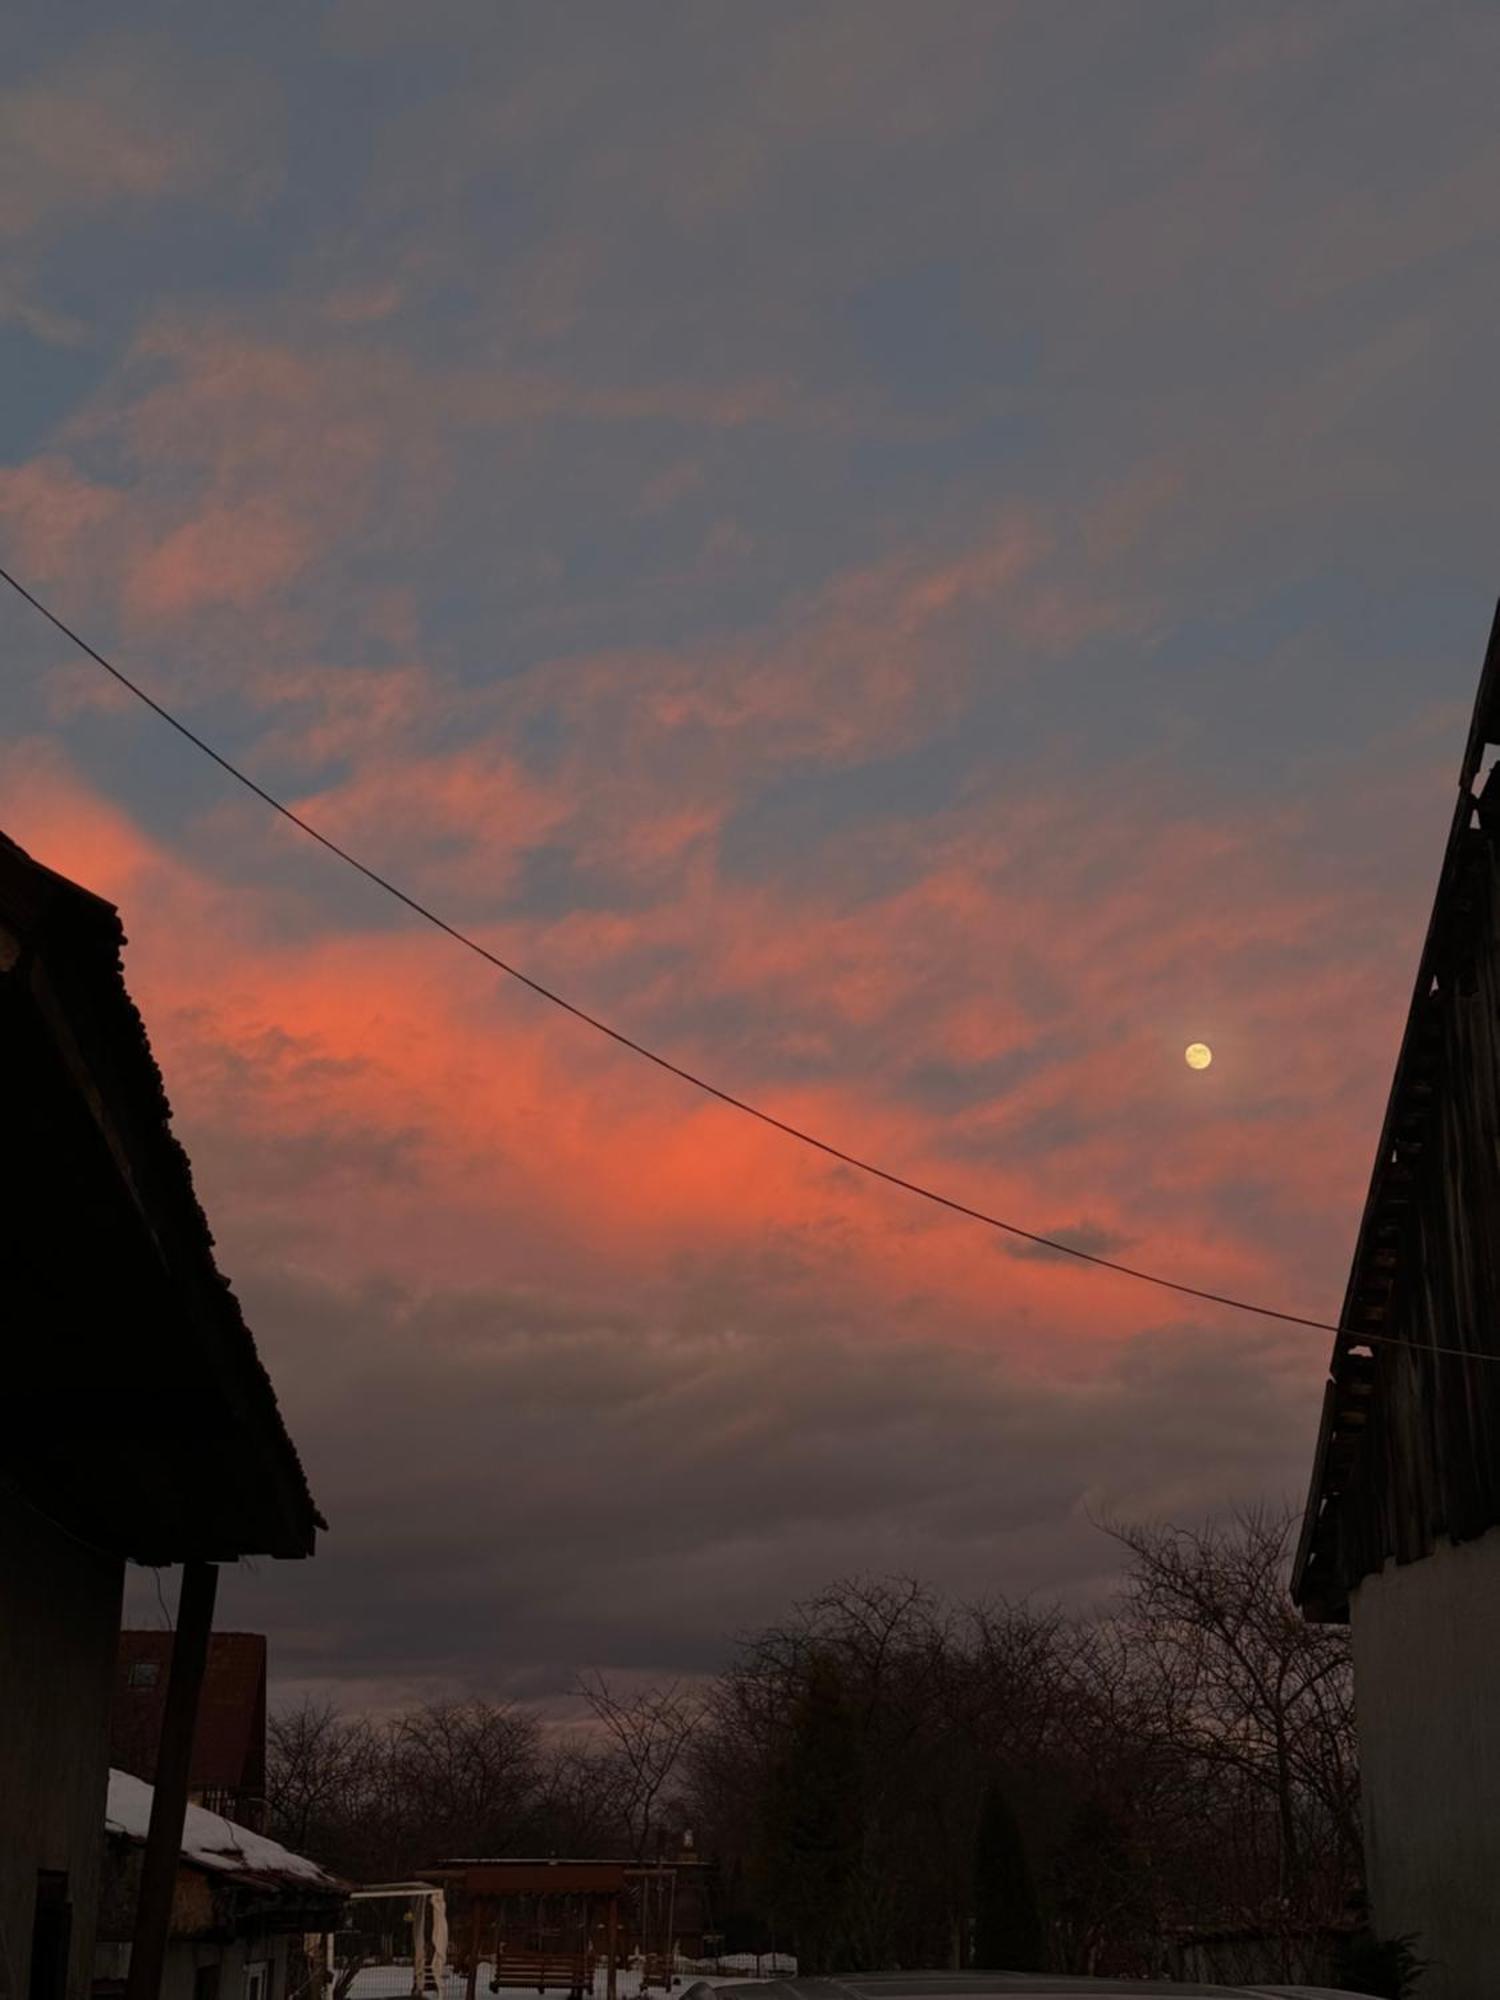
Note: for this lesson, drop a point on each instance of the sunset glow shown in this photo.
(847, 575)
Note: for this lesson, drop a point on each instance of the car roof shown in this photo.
(981, 1985)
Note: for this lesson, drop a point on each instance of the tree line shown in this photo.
(885, 1779)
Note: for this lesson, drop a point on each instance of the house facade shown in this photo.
(138, 1421)
(59, 1615)
(227, 1773)
(1401, 1537)
(250, 1919)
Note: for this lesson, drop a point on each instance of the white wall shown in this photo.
(186, 1955)
(59, 1627)
(1427, 1693)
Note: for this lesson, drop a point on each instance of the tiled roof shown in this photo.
(190, 1433)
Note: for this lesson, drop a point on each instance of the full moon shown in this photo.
(1198, 1055)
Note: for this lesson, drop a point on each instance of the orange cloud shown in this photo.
(429, 1122)
(1003, 1017)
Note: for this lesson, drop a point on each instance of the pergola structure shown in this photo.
(540, 1922)
(544, 1924)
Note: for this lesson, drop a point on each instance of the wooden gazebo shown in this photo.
(546, 1925)
(542, 1925)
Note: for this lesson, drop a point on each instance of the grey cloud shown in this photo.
(521, 1487)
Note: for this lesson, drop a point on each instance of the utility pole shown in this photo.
(174, 1756)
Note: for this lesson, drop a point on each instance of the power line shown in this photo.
(662, 1062)
(166, 1616)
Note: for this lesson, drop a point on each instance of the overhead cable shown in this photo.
(685, 1075)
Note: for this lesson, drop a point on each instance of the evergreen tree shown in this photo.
(812, 1823)
(1007, 1926)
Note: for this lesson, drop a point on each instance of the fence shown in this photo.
(392, 1977)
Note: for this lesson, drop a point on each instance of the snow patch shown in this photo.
(211, 1841)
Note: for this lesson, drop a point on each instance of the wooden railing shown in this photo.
(544, 1971)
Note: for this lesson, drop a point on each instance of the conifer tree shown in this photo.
(811, 1830)
(1007, 1926)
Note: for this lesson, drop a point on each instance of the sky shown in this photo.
(917, 559)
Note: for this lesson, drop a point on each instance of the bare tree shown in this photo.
(581, 1807)
(1186, 1759)
(648, 1734)
(319, 1771)
(1183, 1761)
(467, 1773)
(1249, 1692)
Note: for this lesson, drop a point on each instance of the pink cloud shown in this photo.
(69, 826)
(362, 305)
(64, 150)
(225, 555)
(463, 819)
(131, 121)
(673, 483)
(53, 513)
(316, 713)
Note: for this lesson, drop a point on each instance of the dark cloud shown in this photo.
(1091, 1237)
(519, 1488)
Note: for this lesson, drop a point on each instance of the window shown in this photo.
(258, 1980)
(51, 1936)
(142, 1673)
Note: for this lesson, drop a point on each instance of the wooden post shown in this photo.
(174, 1756)
(473, 1984)
(611, 1947)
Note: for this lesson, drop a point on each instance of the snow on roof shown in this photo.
(211, 1841)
